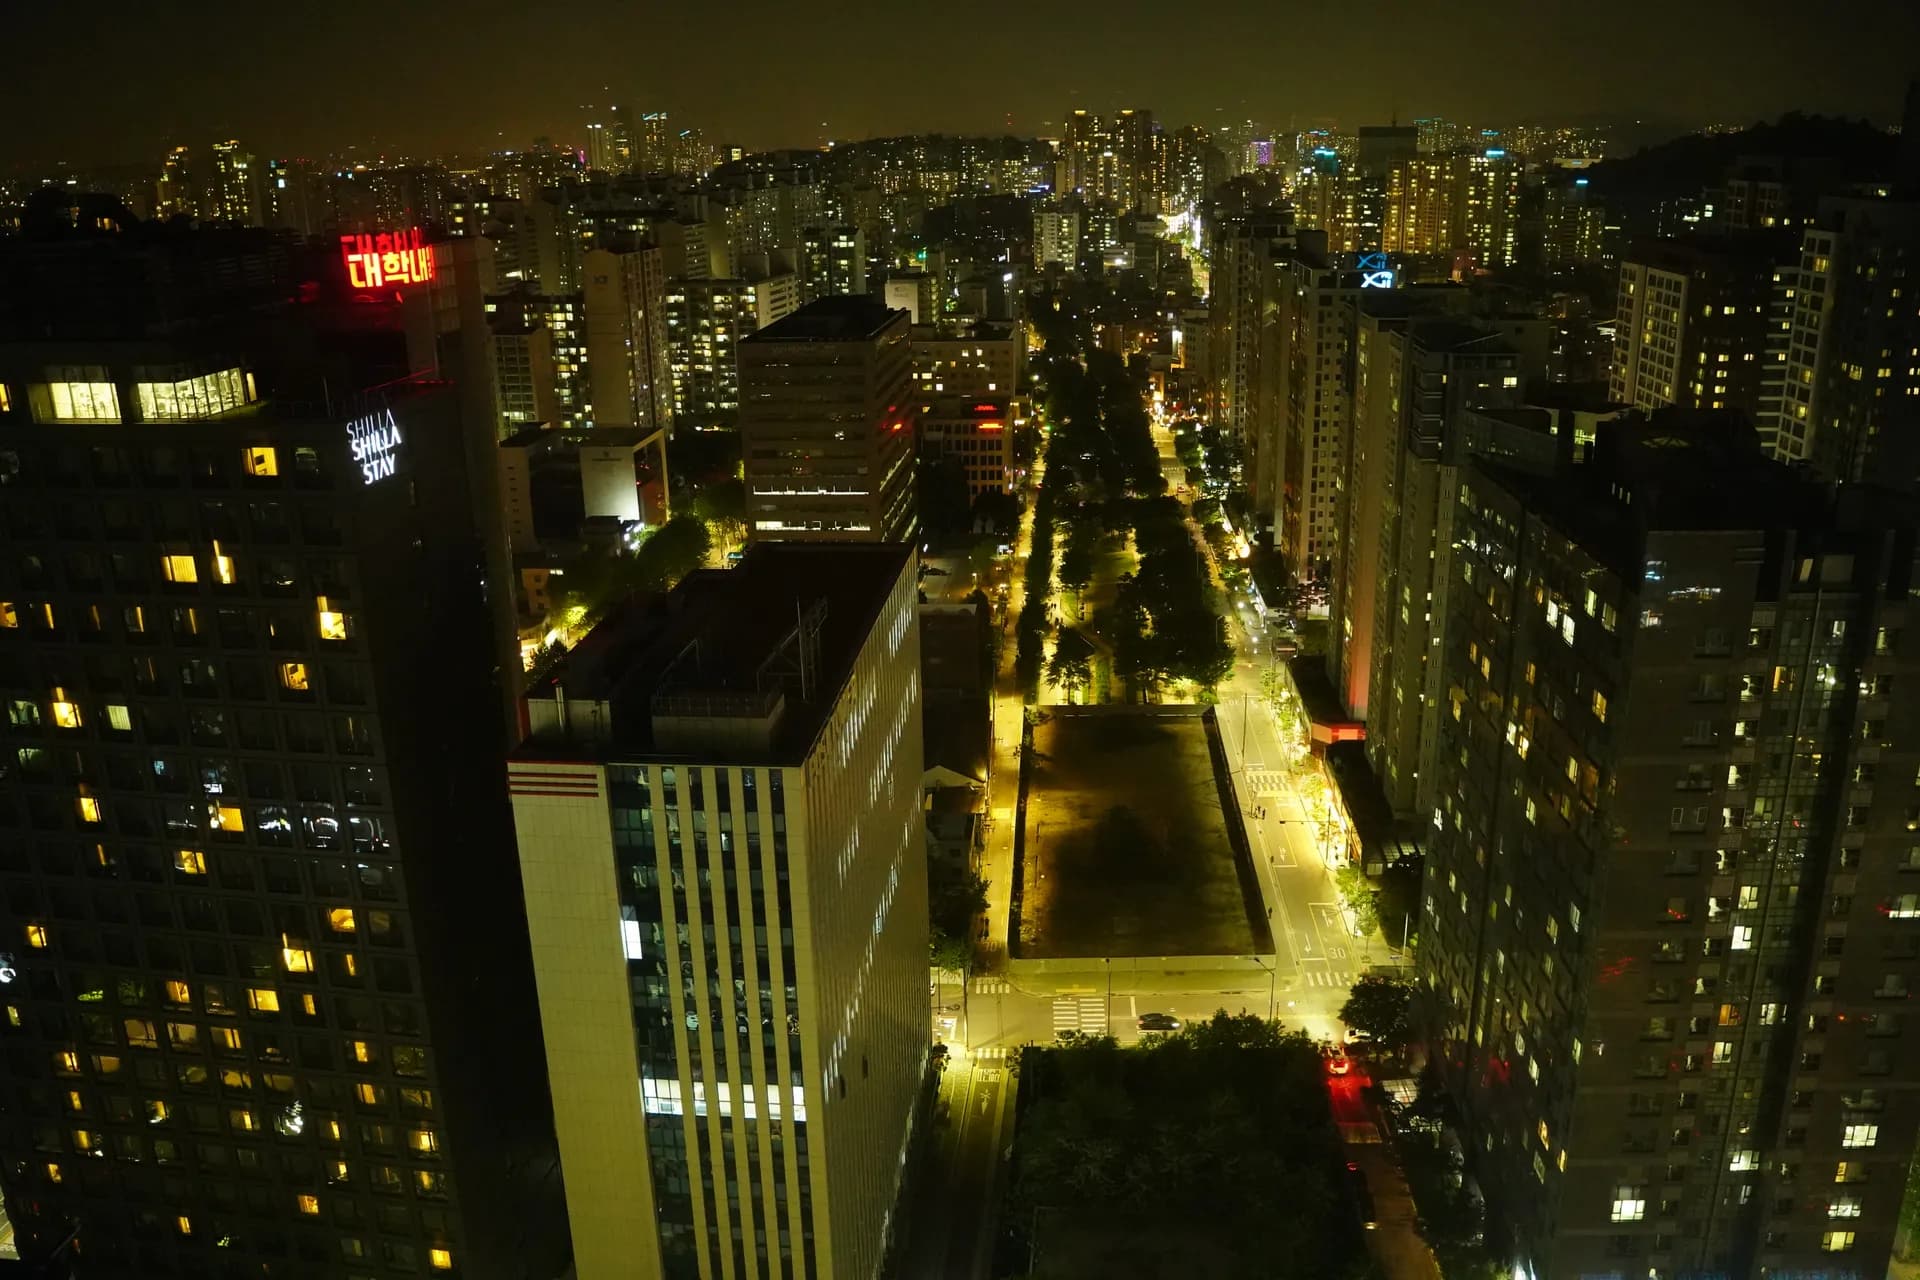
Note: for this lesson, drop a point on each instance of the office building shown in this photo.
(976, 433)
(826, 429)
(1670, 928)
(250, 644)
(630, 373)
(1850, 383)
(718, 817)
(1692, 327)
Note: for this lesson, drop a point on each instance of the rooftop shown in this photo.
(847, 317)
(1679, 470)
(741, 663)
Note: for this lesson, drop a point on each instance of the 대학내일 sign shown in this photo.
(375, 441)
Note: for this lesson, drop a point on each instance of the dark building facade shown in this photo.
(268, 1007)
(1672, 897)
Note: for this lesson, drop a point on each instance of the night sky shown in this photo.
(132, 77)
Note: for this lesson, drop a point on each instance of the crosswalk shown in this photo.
(984, 986)
(1263, 782)
(1327, 978)
(991, 1052)
(1080, 1013)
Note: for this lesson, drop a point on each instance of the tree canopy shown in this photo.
(1378, 1006)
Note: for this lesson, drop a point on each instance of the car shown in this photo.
(1338, 1063)
(1362, 1197)
(1355, 1035)
(1158, 1022)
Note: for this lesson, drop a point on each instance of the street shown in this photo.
(1303, 983)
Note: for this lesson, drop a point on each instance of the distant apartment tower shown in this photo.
(1484, 199)
(826, 426)
(610, 143)
(718, 816)
(235, 190)
(706, 321)
(832, 260)
(1056, 237)
(629, 368)
(523, 378)
(654, 143)
(177, 193)
(1670, 921)
(1692, 323)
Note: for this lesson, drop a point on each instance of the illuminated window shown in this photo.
(141, 1033)
(119, 719)
(340, 919)
(337, 1171)
(227, 1037)
(222, 566)
(308, 1006)
(66, 714)
(227, 817)
(74, 1101)
(293, 675)
(1743, 1161)
(67, 1062)
(1629, 1203)
(1836, 1241)
(263, 460)
(241, 1119)
(424, 1140)
(158, 1111)
(178, 992)
(309, 1204)
(6, 406)
(297, 958)
(442, 1259)
(53, 1173)
(87, 807)
(180, 569)
(362, 1051)
(186, 399)
(333, 623)
(79, 401)
(1860, 1135)
(191, 862)
(1844, 1207)
(9, 615)
(36, 935)
(369, 1094)
(183, 1224)
(263, 999)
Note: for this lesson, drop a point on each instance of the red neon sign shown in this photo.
(395, 257)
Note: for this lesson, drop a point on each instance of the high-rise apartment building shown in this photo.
(1850, 324)
(177, 193)
(629, 369)
(706, 321)
(1056, 236)
(1241, 307)
(610, 142)
(832, 260)
(1418, 218)
(719, 826)
(654, 143)
(251, 644)
(1484, 191)
(1309, 423)
(1692, 324)
(234, 190)
(1670, 926)
(1110, 158)
(826, 424)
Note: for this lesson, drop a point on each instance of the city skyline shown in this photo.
(1716, 63)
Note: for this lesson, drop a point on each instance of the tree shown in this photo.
(1076, 562)
(956, 896)
(1378, 1006)
(1071, 665)
(1358, 894)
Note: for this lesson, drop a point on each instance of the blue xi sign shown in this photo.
(1374, 271)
